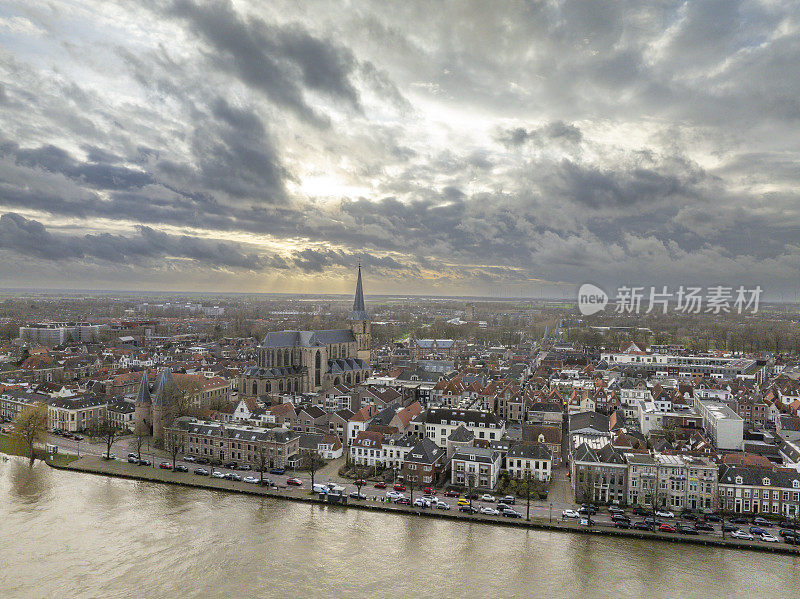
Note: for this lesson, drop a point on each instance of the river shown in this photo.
(78, 535)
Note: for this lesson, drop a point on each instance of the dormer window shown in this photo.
(796, 484)
(766, 482)
(738, 480)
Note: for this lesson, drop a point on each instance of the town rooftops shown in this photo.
(249, 433)
(476, 454)
(465, 417)
(425, 452)
(529, 451)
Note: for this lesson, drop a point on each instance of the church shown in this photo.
(309, 361)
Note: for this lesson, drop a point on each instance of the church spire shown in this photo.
(359, 310)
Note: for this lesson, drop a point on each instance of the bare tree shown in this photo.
(263, 459)
(528, 494)
(138, 443)
(311, 462)
(469, 478)
(107, 430)
(30, 426)
(174, 445)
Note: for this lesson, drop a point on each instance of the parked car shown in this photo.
(360, 482)
(133, 455)
(109, 456)
(229, 465)
(621, 524)
(399, 487)
(217, 474)
(757, 530)
(704, 526)
(277, 470)
(768, 538)
(586, 522)
(245, 467)
(394, 495)
(380, 485)
(511, 513)
(713, 518)
(165, 466)
(489, 511)
(792, 539)
(355, 495)
(133, 460)
(620, 518)
(487, 497)
(613, 509)
(784, 532)
(763, 522)
(181, 468)
(463, 501)
(201, 471)
(470, 509)
(251, 479)
(726, 527)
(77, 437)
(653, 522)
(267, 482)
(666, 528)
(740, 520)
(642, 526)
(429, 491)
(685, 529)
(442, 506)
(202, 461)
(793, 524)
(451, 494)
(688, 516)
(587, 511)
(742, 535)
(570, 514)
(189, 458)
(295, 482)
(509, 500)
(503, 506)
(640, 511)
(232, 476)
(145, 462)
(590, 507)
(664, 514)
(403, 501)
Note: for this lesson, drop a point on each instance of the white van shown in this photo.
(320, 489)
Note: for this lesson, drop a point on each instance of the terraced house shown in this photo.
(760, 491)
(221, 443)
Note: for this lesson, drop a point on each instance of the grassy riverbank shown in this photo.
(118, 468)
(11, 446)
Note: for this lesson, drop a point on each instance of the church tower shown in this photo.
(359, 322)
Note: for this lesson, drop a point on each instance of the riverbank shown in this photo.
(121, 469)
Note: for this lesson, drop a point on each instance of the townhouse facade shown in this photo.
(530, 459)
(476, 467)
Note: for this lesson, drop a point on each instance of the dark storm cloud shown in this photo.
(555, 131)
(31, 238)
(558, 140)
(270, 57)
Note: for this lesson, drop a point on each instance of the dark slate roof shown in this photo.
(461, 435)
(307, 338)
(529, 451)
(273, 373)
(310, 440)
(425, 452)
(359, 309)
(163, 383)
(476, 454)
(143, 394)
(606, 455)
(121, 407)
(340, 365)
(755, 476)
(446, 415)
(589, 419)
(279, 435)
(77, 403)
(384, 417)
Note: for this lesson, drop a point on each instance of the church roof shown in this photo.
(359, 309)
(281, 339)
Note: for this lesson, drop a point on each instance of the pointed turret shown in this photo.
(359, 309)
(143, 394)
(163, 383)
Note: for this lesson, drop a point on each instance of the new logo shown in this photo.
(591, 299)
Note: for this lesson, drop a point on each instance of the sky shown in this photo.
(454, 148)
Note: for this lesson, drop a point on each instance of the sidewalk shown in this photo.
(560, 488)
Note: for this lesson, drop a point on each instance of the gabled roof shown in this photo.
(425, 452)
(461, 435)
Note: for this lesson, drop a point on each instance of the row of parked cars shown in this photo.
(67, 434)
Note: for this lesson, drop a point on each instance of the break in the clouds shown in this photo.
(479, 148)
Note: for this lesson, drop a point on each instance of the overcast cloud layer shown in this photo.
(456, 148)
